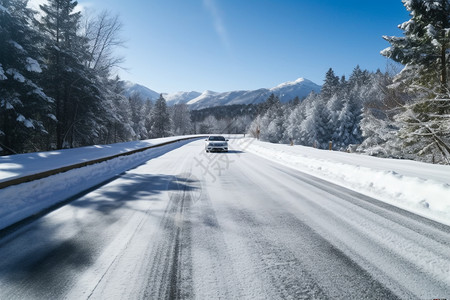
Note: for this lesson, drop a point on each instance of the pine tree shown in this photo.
(67, 79)
(24, 106)
(330, 85)
(358, 78)
(273, 120)
(349, 131)
(293, 128)
(424, 50)
(160, 119)
(138, 116)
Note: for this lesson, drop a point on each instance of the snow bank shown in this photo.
(423, 189)
(18, 202)
(20, 165)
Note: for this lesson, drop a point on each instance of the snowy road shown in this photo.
(232, 226)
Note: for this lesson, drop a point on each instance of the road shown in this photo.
(224, 226)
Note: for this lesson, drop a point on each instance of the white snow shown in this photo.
(30, 163)
(25, 121)
(205, 95)
(180, 97)
(33, 65)
(17, 45)
(289, 83)
(16, 75)
(9, 106)
(421, 188)
(52, 116)
(20, 201)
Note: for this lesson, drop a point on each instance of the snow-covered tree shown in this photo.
(255, 127)
(140, 109)
(425, 52)
(67, 79)
(273, 121)
(160, 119)
(358, 79)
(24, 106)
(316, 125)
(181, 119)
(294, 130)
(116, 115)
(349, 131)
(330, 85)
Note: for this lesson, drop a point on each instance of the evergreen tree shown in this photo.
(316, 125)
(138, 116)
(294, 130)
(24, 106)
(424, 50)
(295, 102)
(118, 118)
(160, 119)
(67, 79)
(330, 85)
(349, 131)
(335, 106)
(358, 78)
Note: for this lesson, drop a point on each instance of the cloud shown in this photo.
(219, 26)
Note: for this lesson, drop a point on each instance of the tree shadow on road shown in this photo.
(42, 261)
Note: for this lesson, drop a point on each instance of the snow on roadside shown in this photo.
(20, 165)
(18, 202)
(423, 189)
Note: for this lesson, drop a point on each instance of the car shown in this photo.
(216, 143)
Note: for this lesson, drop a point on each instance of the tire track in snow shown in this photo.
(214, 274)
(171, 271)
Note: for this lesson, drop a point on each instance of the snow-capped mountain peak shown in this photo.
(204, 96)
(144, 92)
(180, 97)
(300, 80)
(285, 91)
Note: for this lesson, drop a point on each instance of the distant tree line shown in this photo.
(338, 114)
(230, 119)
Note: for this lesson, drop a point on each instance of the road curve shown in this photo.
(196, 225)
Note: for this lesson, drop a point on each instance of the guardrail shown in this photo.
(48, 173)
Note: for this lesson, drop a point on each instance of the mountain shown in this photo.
(144, 92)
(285, 91)
(300, 87)
(180, 97)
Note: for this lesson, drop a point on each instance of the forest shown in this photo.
(58, 90)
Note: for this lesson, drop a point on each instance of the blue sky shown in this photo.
(223, 45)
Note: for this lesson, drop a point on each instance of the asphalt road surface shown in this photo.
(196, 225)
